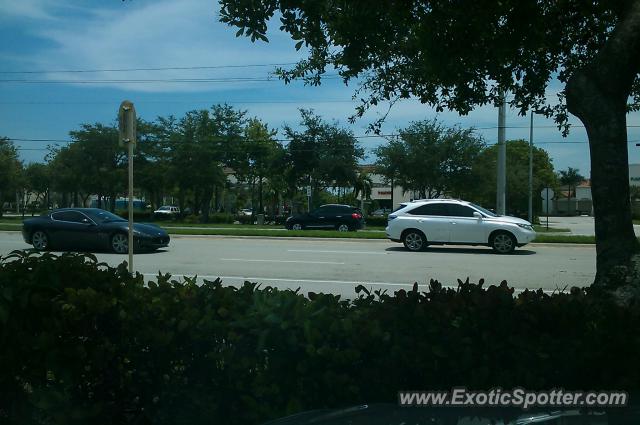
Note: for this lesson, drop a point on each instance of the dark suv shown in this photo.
(331, 216)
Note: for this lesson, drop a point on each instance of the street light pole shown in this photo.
(127, 136)
(502, 157)
(531, 170)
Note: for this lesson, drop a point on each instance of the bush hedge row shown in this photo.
(377, 221)
(86, 343)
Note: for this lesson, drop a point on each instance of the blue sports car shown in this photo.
(90, 229)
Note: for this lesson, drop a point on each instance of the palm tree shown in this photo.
(362, 185)
(572, 178)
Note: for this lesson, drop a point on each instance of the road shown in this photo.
(337, 266)
(579, 225)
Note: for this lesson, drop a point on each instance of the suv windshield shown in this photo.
(484, 210)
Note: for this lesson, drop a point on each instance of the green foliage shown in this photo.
(10, 170)
(449, 55)
(377, 221)
(87, 343)
(483, 188)
(431, 159)
(324, 152)
(37, 178)
(570, 177)
(137, 215)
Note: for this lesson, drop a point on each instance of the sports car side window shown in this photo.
(72, 216)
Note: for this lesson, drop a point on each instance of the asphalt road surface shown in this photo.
(337, 266)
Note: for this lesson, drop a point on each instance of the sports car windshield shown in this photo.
(105, 216)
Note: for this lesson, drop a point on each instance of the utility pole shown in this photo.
(530, 216)
(502, 157)
(127, 136)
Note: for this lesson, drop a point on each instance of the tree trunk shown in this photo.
(206, 205)
(597, 94)
(253, 196)
(260, 208)
(181, 201)
(392, 205)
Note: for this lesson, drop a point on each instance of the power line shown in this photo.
(166, 68)
(236, 149)
(158, 80)
(117, 102)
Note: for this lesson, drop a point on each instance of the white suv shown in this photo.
(449, 221)
(167, 211)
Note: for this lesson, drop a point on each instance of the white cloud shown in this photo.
(165, 33)
(31, 9)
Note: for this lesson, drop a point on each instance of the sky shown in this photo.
(40, 38)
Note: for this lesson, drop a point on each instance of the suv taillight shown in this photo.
(356, 216)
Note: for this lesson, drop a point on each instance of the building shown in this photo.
(634, 174)
(381, 190)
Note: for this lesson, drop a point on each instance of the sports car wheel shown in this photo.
(120, 243)
(40, 240)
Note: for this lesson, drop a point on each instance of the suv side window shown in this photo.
(322, 211)
(430, 209)
(457, 210)
(72, 216)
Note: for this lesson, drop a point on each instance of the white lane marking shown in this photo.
(242, 279)
(337, 252)
(279, 261)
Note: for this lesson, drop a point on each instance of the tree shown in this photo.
(459, 55)
(151, 168)
(199, 146)
(431, 159)
(10, 170)
(254, 157)
(388, 161)
(101, 162)
(323, 155)
(483, 190)
(37, 180)
(68, 176)
(362, 186)
(571, 177)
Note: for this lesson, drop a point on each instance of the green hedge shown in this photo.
(377, 221)
(86, 343)
(137, 215)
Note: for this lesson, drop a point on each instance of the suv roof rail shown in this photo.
(437, 199)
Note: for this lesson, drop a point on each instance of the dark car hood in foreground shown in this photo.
(392, 414)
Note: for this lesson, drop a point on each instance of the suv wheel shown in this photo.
(503, 242)
(414, 240)
(342, 228)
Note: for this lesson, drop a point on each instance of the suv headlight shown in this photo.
(525, 226)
